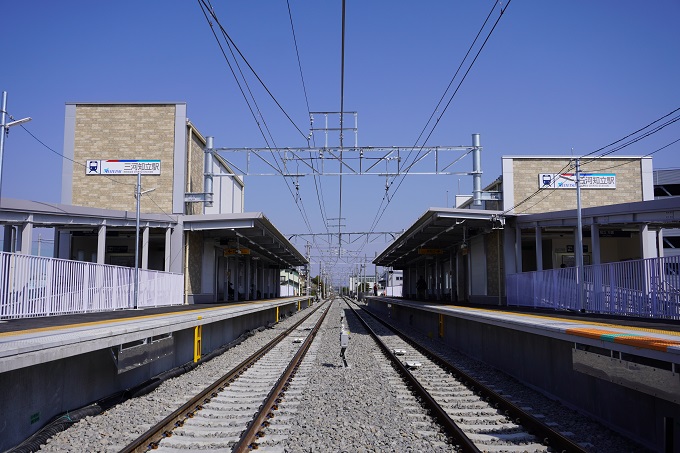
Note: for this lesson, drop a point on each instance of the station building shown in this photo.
(605, 182)
(197, 245)
(192, 218)
(526, 220)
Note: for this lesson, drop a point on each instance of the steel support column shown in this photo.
(145, 248)
(26, 238)
(595, 243)
(539, 248)
(101, 244)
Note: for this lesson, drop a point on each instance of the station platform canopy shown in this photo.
(251, 230)
(436, 231)
(43, 214)
(656, 214)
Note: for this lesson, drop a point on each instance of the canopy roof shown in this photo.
(249, 229)
(437, 229)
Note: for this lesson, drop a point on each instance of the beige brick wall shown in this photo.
(525, 173)
(124, 132)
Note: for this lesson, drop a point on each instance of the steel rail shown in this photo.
(549, 436)
(466, 445)
(247, 441)
(150, 439)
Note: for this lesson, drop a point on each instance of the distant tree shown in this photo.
(317, 285)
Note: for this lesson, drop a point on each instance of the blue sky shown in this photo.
(554, 75)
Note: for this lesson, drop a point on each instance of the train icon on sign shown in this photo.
(93, 167)
(547, 179)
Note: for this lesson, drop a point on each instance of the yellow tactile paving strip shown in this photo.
(574, 321)
(638, 341)
(630, 339)
(121, 320)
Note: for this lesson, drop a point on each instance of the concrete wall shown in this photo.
(546, 364)
(123, 132)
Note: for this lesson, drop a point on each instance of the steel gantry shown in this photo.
(362, 160)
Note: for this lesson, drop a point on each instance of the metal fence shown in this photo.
(393, 291)
(33, 286)
(644, 288)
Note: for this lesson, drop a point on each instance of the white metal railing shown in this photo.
(394, 291)
(33, 286)
(645, 288)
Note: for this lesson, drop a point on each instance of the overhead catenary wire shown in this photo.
(319, 193)
(448, 87)
(231, 41)
(297, 53)
(203, 7)
(342, 114)
(385, 202)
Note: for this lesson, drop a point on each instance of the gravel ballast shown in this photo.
(365, 407)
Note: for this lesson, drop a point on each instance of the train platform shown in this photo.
(32, 341)
(624, 372)
(655, 339)
(56, 364)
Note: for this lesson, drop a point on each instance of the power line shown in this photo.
(238, 83)
(381, 210)
(319, 193)
(226, 35)
(71, 160)
(618, 148)
(550, 192)
(297, 52)
(632, 133)
(342, 114)
(105, 176)
(646, 155)
(636, 139)
(448, 87)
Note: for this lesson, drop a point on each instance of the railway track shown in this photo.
(477, 418)
(230, 414)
